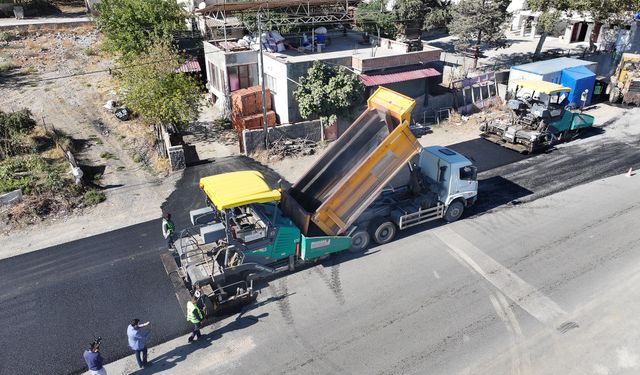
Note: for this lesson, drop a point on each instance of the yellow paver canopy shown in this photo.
(542, 86)
(233, 189)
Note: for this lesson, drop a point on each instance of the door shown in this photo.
(467, 181)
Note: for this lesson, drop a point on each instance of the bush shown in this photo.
(14, 127)
(90, 51)
(10, 184)
(93, 197)
(222, 122)
(8, 66)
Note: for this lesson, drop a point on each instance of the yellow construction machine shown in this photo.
(625, 83)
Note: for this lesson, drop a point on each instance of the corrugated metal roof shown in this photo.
(551, 66)
(189, 66)
(381, 79)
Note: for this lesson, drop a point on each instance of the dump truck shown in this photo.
(625, 83)
(539, 118)
(374, 180)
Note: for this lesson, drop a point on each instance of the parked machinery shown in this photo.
(539, 118)
(625, 83)
(373, 181)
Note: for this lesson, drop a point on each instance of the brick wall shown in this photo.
(410, 58)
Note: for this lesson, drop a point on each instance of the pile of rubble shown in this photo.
(285, 148)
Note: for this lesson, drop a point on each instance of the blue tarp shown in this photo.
(578, 79)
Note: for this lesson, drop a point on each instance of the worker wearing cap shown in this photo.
(194, 316)
(583, 98)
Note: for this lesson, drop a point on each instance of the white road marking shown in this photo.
(519, 291)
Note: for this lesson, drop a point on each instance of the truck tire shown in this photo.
(209, 306)
(384, 232)
(359, 241)
(454, 211)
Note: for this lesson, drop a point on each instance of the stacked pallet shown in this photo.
(246, 109)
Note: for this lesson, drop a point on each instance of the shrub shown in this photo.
(93, 197)
(222, 122)
(7, 66)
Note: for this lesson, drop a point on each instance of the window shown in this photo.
(241, 76)
(270, 83)
(213, 76)
(468, 173)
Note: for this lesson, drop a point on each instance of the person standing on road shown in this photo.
(583, 98)
(137, 335)
(194, 316)
(168, 227)
(94, 360)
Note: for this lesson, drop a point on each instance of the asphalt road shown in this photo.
(54, 300)
(549, 287)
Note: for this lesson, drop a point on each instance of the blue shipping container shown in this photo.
(578, 79)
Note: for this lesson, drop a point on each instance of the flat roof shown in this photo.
(339, 47)
(551, 66)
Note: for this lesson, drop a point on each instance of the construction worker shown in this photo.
(168, 228)
(583, 98)
(194, 316)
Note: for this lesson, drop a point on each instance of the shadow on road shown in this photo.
(172, 358)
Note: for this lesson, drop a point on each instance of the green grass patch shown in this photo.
(93, 197)
(90, 51)
(107, 155)
(7, 67)
(31, 70)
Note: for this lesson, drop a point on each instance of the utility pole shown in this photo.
(265, 120)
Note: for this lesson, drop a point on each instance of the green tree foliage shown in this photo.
(328, 91)
(478, 23)
(438, 15)
(14, 128)
(410, 16)
(373, 17)
(151, 87)
(131, 25)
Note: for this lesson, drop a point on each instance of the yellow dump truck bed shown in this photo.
(353, 171)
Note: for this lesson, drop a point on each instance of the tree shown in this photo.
(410, 17)
(151, 87)
(438, 15)
(373, 17)
(327, 91)
(552, 11)
(479, 22)
(131, 25)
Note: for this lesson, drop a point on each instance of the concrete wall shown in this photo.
(365, 64)
(222, 60)
(280, 92)
(295, 71)
(253, 140)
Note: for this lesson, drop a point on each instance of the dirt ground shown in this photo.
(54, 80)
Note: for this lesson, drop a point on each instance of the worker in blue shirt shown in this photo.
(94, 360)
(137, 335)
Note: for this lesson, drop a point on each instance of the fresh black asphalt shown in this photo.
(53, 301)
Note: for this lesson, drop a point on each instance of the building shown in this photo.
(386, 62)
(573, 28)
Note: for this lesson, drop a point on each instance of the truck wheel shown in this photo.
(454, 211)
(384, 233)
(359, 241)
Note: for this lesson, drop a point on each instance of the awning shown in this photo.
(233, 189)
(382, 79)
(190, 66)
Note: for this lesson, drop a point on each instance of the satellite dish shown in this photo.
(202, 5)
